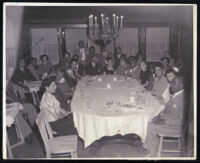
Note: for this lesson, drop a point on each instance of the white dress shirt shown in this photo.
(82, 52)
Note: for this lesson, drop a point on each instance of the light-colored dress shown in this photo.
(51, 106)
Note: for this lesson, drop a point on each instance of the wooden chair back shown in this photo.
(45, 130)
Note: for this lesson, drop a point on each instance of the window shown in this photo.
(45, 41)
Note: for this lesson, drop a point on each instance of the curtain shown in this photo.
(157, 43)
(45, 41)
(128, 41)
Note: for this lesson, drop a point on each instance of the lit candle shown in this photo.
(102, 20)
(114, 20)
(117, 21)
(107, 20)
(91, 20)
(121, 21)
(95, 20)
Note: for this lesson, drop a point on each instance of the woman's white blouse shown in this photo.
(51, 106)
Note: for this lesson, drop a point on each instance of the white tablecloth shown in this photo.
(33, 86)
(94, 120)
(11, 112)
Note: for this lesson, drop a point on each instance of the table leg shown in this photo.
(34, 99)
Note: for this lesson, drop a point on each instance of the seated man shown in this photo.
(19, 78)
(123, 68)
(160, 83)
(63, 92)
(134, 71)
(109, 69)
(94, 67)
(169, 121)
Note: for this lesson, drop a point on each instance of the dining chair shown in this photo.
(56, 147)
(19, 136)
(172, 139)
(19, 92)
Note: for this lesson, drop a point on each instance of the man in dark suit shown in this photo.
(104, 55)
(170, 120)
(119, 54)
(80, 66)
(94, 67)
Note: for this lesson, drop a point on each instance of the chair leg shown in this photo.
(9, 154)
(179, 143)
(74, 154)
(160, 146)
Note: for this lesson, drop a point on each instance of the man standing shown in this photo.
(169, 121)
(81, 51)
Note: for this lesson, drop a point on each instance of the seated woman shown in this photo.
(32, 70)
(109, 69)
(60, 120)
(71, 74)
(124, 67)
(45, 66)
(145, 78)
(63, 92)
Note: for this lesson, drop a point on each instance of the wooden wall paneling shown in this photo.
(142, 42)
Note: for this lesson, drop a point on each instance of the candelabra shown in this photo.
(103, 30)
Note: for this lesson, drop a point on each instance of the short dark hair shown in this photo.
(167, 58)
(47, 82)
(108, 58)
(123, 57)
(92, 47)
(44, 55)
(81, 41)
(59, 70)
(75, 56)
(64, 54)
(171, 70)
(33, 58)
(73, 60)
(132, 58)
(158, 65)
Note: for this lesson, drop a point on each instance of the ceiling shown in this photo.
(79, 14)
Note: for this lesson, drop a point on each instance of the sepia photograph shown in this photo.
(99, 81)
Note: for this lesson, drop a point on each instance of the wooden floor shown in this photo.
(35, 149)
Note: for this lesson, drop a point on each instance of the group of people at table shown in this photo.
(163, 80)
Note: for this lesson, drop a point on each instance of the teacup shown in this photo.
(114, 79)
(108, 86)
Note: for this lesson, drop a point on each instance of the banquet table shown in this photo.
(107, 105)
(34, 87)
